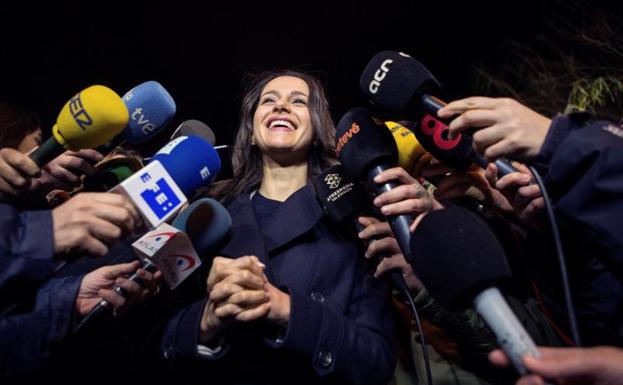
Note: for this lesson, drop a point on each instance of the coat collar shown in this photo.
(296, 216)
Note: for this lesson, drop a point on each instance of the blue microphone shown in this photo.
(190, 161)
(151, 108)
(161, 188)
(207, 240)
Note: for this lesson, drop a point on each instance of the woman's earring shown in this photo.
(253, 141)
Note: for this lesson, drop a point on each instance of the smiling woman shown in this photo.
(291, 105)
(287, 301)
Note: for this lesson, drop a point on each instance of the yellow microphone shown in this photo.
(411, 155)
(89, 119)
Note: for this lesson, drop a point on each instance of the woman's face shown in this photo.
(282, 122)
(30, 141)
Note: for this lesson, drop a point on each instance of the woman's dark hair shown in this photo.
(247, 159)
(15, 123)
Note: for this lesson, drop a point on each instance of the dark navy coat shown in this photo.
(26, 250)
(584, 177)
(341, 328)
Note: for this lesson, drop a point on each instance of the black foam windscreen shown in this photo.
(403, 92)
(339, 195)
(392, 80)
(456, 255)
(363, 142)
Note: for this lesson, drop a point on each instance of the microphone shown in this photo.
(196, 128)
(342, 200)
(207, 240)
(202, 130)
(411, 155)
(401, 87)
(208, 226)
(159, 189)
(150, 109)
(366, 148)
(176, 155)
(459, 259)
(90, 118)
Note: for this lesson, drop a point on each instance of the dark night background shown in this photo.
(200, 51)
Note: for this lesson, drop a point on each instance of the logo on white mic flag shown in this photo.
(153, 192)
(171, 251)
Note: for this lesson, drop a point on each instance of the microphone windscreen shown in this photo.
(341, 198)
(411, 155)
(90, 118)
(207, 223)
(392, 80)
(190, 161)
(151, 108)
(363, 142)
(456, 255)
(196, 128)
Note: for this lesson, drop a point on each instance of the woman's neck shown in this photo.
(281, 181)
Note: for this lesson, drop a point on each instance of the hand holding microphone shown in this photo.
(98, 285)
(400, 87)
(64, 171)
(90, 118)
(91, 222)
(505, 127)
(382, 243)
(17, 172)
(410, 197)
(524, 197)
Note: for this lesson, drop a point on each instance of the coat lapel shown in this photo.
(295, 217)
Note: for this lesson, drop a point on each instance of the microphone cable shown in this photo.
(418, 324)
(573, 325)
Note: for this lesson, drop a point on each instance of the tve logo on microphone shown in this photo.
(153, 192)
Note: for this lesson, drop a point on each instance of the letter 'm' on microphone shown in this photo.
(89, 119)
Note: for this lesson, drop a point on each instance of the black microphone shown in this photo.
(459, 260)
(400, 87)
(343, 201)
(365, 149)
